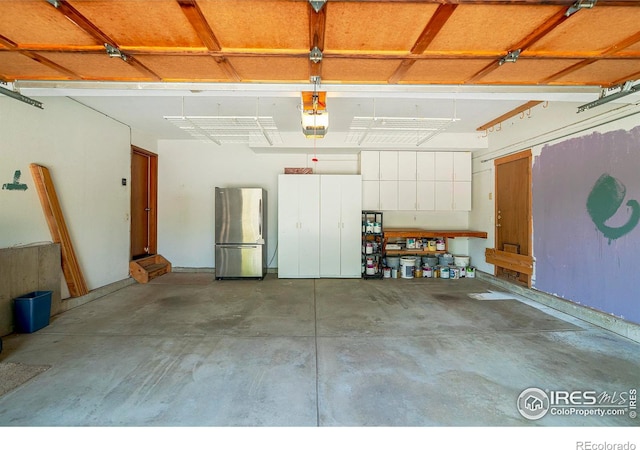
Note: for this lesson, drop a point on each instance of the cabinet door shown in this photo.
(462, 166)
(425, 166)
(388, 166)
(351, 228)
(298, 226)
(462, 195)
(407, 166)
(425, 196)
(444, 166)
(370, 165)
(309, 231)
(388, 195)
(444, 195)
(288, 226)
(407, 195)
(371, 195)
(330, 224)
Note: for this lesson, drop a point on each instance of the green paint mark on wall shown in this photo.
(605, 199)
(16, 185)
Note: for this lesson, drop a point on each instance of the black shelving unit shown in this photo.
(372, 244)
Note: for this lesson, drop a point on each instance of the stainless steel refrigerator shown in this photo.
(241, 232)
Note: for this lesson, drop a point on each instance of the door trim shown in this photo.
(153, 199)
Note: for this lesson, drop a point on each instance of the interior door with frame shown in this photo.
(513, 236)
(144, 188)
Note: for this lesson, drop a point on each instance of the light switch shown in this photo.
(124, 181)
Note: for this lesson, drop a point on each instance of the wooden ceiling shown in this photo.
(372, 41)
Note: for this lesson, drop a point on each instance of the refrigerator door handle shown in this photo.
(260, 218)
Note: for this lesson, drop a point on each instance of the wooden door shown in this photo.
(513, 240)
(144, 176)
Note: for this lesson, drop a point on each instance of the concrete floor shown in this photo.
(185, 350)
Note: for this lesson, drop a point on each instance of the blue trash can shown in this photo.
(32, 311)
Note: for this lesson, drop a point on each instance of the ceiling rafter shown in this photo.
(317, 26)
(196, 18)
(430, 31)
(609, 51)
(199, 23)
(96, 33)
(556, 20)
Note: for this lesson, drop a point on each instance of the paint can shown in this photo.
(377, 227)
(394, 272)
(440, 246)
(417, 273)
(427, 272)
(369, 227)
(411, 243)
(436, 272)
(369, 248)
(454, 273)
(431, 260)
(371, 269)
(444, 272)
(386, 272)
(470, 272)
(393, 262)
(445, 259)
(407, 266)
(462, 271)
(461, 261)
(431, 245)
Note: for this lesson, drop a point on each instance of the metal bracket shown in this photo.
(315, 55)
(580, 4)
(511, 57)
(317, 4)
(114, 52)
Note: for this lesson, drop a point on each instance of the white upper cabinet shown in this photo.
(407, 166)
(444, 166)
(370, 165)
(462, 166)
(425, 166)
(388, 166)
(416, 181)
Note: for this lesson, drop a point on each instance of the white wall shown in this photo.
(187, 175)
(87, 154)
(190, 170)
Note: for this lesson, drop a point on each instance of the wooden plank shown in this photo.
(420, 233)
(511, 261)
(199, 23)
(58, 229)
(509, 114)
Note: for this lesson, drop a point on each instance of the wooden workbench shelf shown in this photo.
(417, 233)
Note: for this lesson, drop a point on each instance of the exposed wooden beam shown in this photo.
(142, 68)
(199, 23)
(317, 26)
(7, 42)
(430, 31)
(568, 70)
(509, 114)
(228, 68)
(46, 62)
(542, 30)
(85, 24)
